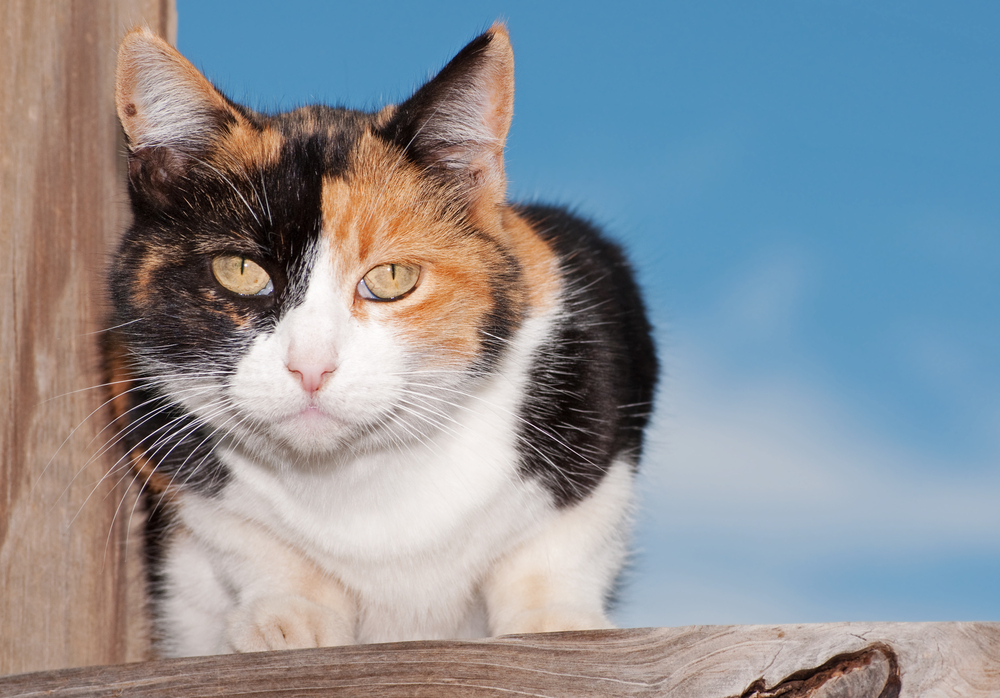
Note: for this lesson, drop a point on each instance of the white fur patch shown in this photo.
(331, 532)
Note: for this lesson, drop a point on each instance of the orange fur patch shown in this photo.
(385, 212)
(245, 148)
(539, 262)
(150, 263)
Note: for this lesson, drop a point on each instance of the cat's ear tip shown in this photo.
(160, 97)
(138, 47)
(500, 39)
(137, 31)
(499, 30)
(138, 37)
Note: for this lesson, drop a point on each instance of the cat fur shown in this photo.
(320, 468)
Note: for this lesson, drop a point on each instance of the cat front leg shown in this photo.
(541, 603)
(560, 578)
(288, 602)
(278, 597)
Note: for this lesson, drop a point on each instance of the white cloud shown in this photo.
(747, 480)
(781, 458)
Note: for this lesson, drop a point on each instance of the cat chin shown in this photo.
(281, 449)
(320, 442)
(312, 420)
(304, 432)
(311, 432)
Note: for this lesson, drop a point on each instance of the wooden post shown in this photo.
(64, 596)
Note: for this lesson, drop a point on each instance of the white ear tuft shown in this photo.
(162, 99)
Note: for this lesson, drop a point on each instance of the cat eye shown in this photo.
(388, 282)
(241, 275)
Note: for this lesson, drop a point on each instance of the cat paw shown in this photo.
(551, 620)
(286, 622)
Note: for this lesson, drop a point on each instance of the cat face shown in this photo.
(319, 279)
(389, 322)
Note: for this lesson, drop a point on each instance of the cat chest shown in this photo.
(386, 526)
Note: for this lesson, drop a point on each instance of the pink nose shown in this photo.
(311, 375)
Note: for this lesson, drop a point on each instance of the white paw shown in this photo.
(286, 622)
(552, 619)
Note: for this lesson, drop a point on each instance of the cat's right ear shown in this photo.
(455, 126)
(169, 111)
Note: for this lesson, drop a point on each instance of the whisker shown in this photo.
(263, 188)
(229, 182)
(157, 444)
(113, 328)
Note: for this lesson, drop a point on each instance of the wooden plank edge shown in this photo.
(881, 660)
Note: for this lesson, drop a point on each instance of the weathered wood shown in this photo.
(64, 596)
(794, 661)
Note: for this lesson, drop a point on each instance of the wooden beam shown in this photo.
(65, 599)
(859, 660)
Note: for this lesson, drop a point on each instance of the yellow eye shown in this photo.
(387, 282)
(241, 275)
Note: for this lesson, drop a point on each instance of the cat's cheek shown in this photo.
(368, 383)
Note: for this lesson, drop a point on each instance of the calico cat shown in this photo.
(367, 398)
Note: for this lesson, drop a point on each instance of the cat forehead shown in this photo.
(326, 164)
(314, 136)
(360, 175)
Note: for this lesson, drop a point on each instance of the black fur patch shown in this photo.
(591, 386)
(156, 539)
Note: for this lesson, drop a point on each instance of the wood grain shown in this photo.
(65, 599)
(796, 661)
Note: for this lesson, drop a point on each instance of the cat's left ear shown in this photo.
(456, 125)
(170, 113)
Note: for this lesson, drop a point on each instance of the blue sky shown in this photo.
(811, 193)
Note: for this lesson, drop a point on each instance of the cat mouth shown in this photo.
(311, 414)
